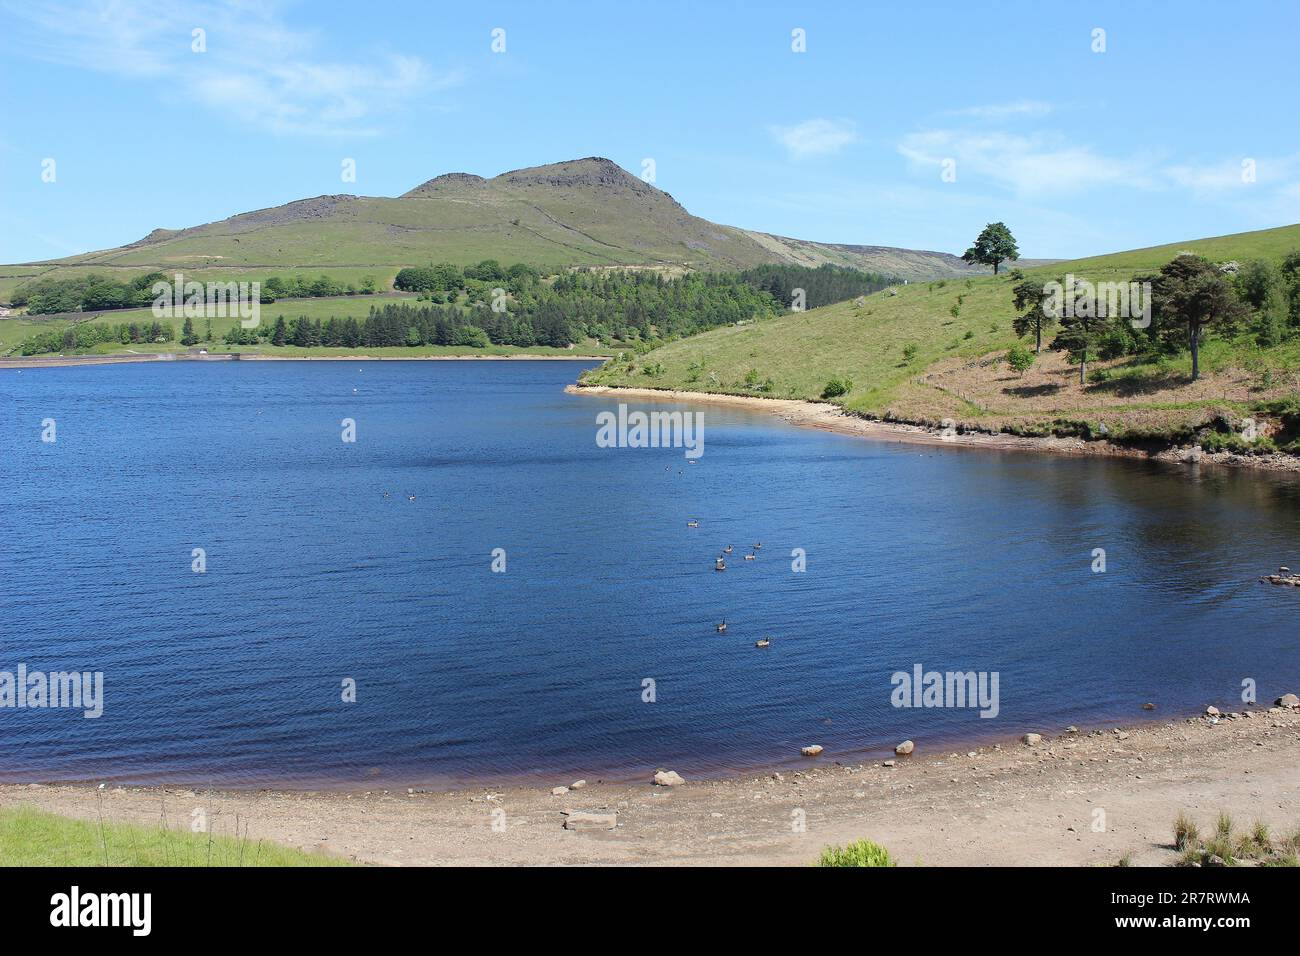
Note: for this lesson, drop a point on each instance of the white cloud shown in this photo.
(815, 137)
(1030, 165)
(998, 111)
(256, 70)
(1207, 179)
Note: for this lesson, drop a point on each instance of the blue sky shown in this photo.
(1080, 152)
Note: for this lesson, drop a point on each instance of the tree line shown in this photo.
(99, 293)
(488, 304)
(86, 335)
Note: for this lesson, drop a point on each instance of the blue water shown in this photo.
(954, 559)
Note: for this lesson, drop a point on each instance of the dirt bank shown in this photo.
(832, 418)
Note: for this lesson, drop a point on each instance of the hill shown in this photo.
(930, 351)
(585, 212)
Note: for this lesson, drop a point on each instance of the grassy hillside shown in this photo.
(586, 212)
(1270, 244)
(933, 350)
(31, 837)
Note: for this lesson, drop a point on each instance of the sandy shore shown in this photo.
(1008, 804)
(830, 417)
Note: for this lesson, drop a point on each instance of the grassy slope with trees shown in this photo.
(928, 351)
(485, 308)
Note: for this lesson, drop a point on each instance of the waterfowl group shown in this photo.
(720, 564)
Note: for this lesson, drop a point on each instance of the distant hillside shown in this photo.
(936, 350)
(585, 212)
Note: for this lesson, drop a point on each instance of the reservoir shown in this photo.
(510, 600)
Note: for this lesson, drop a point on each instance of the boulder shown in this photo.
(1288, 700)
(1211, 711)
(1032, 740)
(582, 820)
(887, 763)
(577, 785)
(668, 778)
(559, 791)
(1148, 706)
(812, 751)
(905, 748)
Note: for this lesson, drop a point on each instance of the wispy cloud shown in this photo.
(1029, 165)
(1239, 173)
(1000, 111)
(815, 137)
(256, 70)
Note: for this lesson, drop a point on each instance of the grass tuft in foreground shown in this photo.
(859, 853)
(1225, 847)
(30, 837)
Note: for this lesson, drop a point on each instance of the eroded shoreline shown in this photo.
(829, 417)
(1074, 799)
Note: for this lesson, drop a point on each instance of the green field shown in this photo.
(15, 329)
(30, 837)
(893, 344)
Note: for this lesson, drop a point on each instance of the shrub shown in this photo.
(860, 853)
(909, 352)
(837, 387)
(472, 336)
(1186, 832)
(1020, 359)
(1117, 341)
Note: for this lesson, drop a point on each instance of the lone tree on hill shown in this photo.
(1191, 293)
(993, 246)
